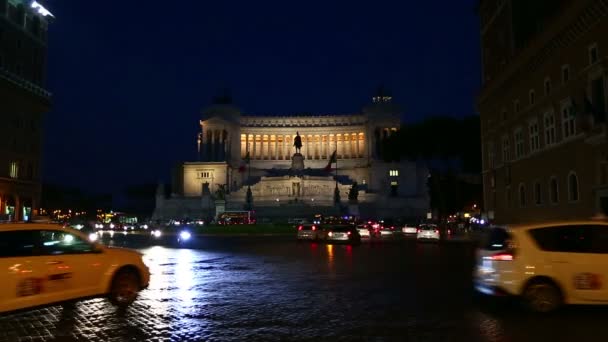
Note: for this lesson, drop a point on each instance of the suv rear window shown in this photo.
(497, 239)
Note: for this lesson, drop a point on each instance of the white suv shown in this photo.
(43, 264)
(546, 264)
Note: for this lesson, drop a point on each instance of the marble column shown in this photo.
(283, 151)
(262, 152)
(254, 154)
(226, 145)
(358, 147)
(276, 147)
(212, 157)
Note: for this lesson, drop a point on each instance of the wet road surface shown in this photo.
(246, 289)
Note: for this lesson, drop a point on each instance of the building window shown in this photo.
(572, 187)
(519, 143)
(598, 100)
(534, 136)
(522, 196)
(547, 86)
(491, 155)
(14, 169)
(565, 73)
(554, 190)
(508, 197)
(538, 199)
(568, 120)
(506, 156)
(394, 183)
(549, 121)
(593, 54)
(531, 97)
(516, 106)
(205, 174)
(393, 173)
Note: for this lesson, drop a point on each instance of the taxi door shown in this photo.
(21, 277)
(73, 267)
(582, 262)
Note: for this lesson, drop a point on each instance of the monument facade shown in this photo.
(298, 161)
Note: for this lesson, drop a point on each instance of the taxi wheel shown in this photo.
(125, 287)
(542, 297)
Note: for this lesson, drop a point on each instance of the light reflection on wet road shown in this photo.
(245, 289)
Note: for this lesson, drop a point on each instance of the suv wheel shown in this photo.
(542, 297)
(125, 287)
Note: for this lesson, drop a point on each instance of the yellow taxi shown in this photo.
(546, 264)
(42, 264)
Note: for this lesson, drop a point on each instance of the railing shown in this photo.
(24, 84)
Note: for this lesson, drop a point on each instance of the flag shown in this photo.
(332, 160)
(245, 162)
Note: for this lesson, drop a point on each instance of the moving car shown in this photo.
(364, 232)
(409, 230)
(345, 234)
(310, 232)
(42, 264)
(428, 232)
(547, 265)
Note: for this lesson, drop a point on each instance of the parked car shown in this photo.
(428, 232)
(343, 234)
(310, 232)
(546, 264)
(42, 264)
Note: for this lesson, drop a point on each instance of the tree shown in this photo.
(353, 193)
(337, 195)
(249, 199)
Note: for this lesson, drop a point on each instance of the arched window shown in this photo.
(522, 195)
(554, 190)
(538, 198)
(572, 187)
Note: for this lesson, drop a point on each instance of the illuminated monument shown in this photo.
(241, 151)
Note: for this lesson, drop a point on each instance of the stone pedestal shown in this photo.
(297, 162)
(220, 207)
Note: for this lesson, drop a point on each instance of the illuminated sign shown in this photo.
(41, 10)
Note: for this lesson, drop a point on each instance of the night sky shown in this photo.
(130, 78)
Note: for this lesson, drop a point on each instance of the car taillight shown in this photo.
(449, 231)
(417, 230)
(500, 257)
(330, 234)
(314, 228)
(436, 231)
(348, 233)
(300, 228)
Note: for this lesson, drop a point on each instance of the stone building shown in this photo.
(543, 108)
(23, 103)
(228, 138)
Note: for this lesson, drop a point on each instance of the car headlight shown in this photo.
(157, 233)
(145, 226)
(112, 225)
(185, 235)
(93, 237)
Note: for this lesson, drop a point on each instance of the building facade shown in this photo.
(238, 151)
(23, 103)
(543, 109)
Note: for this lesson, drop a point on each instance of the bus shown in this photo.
(236, 217)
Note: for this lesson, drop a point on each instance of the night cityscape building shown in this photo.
(24, 101)
(543, 109)
(237, 151)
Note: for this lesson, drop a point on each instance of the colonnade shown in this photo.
(348, 145)
(214, 144)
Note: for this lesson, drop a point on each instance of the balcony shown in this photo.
(24, 84)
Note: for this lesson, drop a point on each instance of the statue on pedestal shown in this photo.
(297, 142)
